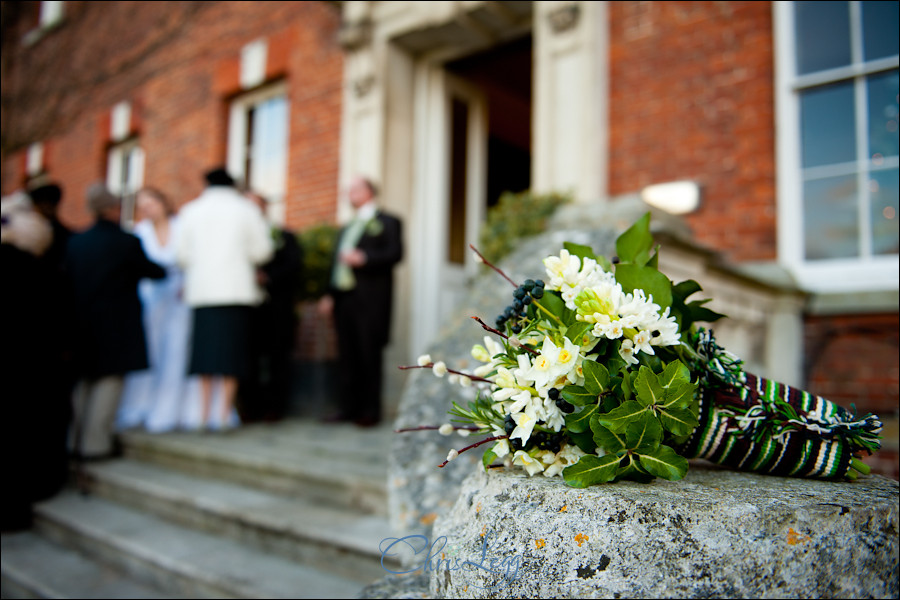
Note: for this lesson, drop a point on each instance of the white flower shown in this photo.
(523, 459)
(524, 426)
(439, 368)
(465, 381)
(553, 362)
(480, 353)
(642, 342)
(626, 351)
(501, 448)
(463, 432)
(445, 429)
(453, 378)
(451, 455)
(424, 360)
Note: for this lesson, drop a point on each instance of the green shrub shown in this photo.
(318, 247)
(515, 216)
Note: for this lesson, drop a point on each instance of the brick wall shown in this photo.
(855, 360)
(178, 64)
(691, 97)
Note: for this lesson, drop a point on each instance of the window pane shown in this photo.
(828, 131)
(823, 35)
(883, 114)
(830, 216)
(885, 194)
(880, 29)
(268, 141)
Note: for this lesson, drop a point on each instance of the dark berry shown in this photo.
(500, 322)
(509, 312)
(518, 305)
(516, 328)
(528, 285)
(539, 283)
(554, 447)
(553, 393)
(516, 443)
(526, 300)
(508, 424)
(537, 293)
(615, 260)
(564, 406)
(519, 293)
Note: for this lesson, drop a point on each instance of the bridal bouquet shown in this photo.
(600, 372)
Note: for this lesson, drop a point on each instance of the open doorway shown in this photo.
(503, 74)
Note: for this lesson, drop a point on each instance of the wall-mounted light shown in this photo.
(675, 197)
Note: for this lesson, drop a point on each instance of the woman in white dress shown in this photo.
(162, 398)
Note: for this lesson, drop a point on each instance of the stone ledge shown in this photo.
(715, 534)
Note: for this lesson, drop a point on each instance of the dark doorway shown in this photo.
(504, 74)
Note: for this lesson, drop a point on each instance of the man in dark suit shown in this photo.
(360, 299)
(104, 265)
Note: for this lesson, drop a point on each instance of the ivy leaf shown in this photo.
(679, 395)
(596, 377)
(580, 421)
(654, 283)
(554, 303)
(584, 440)
(577, 395)
(647, 388)
(488, 458)
(645, 433)
(678, 421)
(618, 419)
(606, 439)
(591, 470)
(674, 371)
(665, 463)
(580, 250)
(635, 242)
(634, 471)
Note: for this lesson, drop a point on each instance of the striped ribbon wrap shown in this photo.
(750, 423)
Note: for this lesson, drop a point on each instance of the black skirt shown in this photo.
(220, 343)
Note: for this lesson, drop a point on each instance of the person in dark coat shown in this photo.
(46, 200)
(36, 392)
(264, 394)
(360, 300)
(104, 265)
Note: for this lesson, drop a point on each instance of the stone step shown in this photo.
(33, 567)
(178, 560)
(324, 536)
(337, 464)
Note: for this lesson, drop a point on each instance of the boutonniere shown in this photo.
(374, 227)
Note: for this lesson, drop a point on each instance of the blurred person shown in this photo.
(222, 239)
(360, 300)
(160, 398)
(265, 393)
(36, 403)
(46, 200)
(104, 265)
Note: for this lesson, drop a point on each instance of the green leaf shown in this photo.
(679, 395)
(580, 421)
(606, 439)
(647, 387)
(664, 463)
(678, 421)
(577, 395)
(596, 377)
(635, 241)
(645, 433)
(591, 470)
(580, 250)
(633, 471)
(576, 332)
(682, 290)
(584, 441)
(618, 419)
(554, 303)
(674, 371)
(488, 458)
(654, 283)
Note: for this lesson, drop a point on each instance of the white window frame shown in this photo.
(866, 273)
(52, 13)
(125, 175)
(239, 145)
